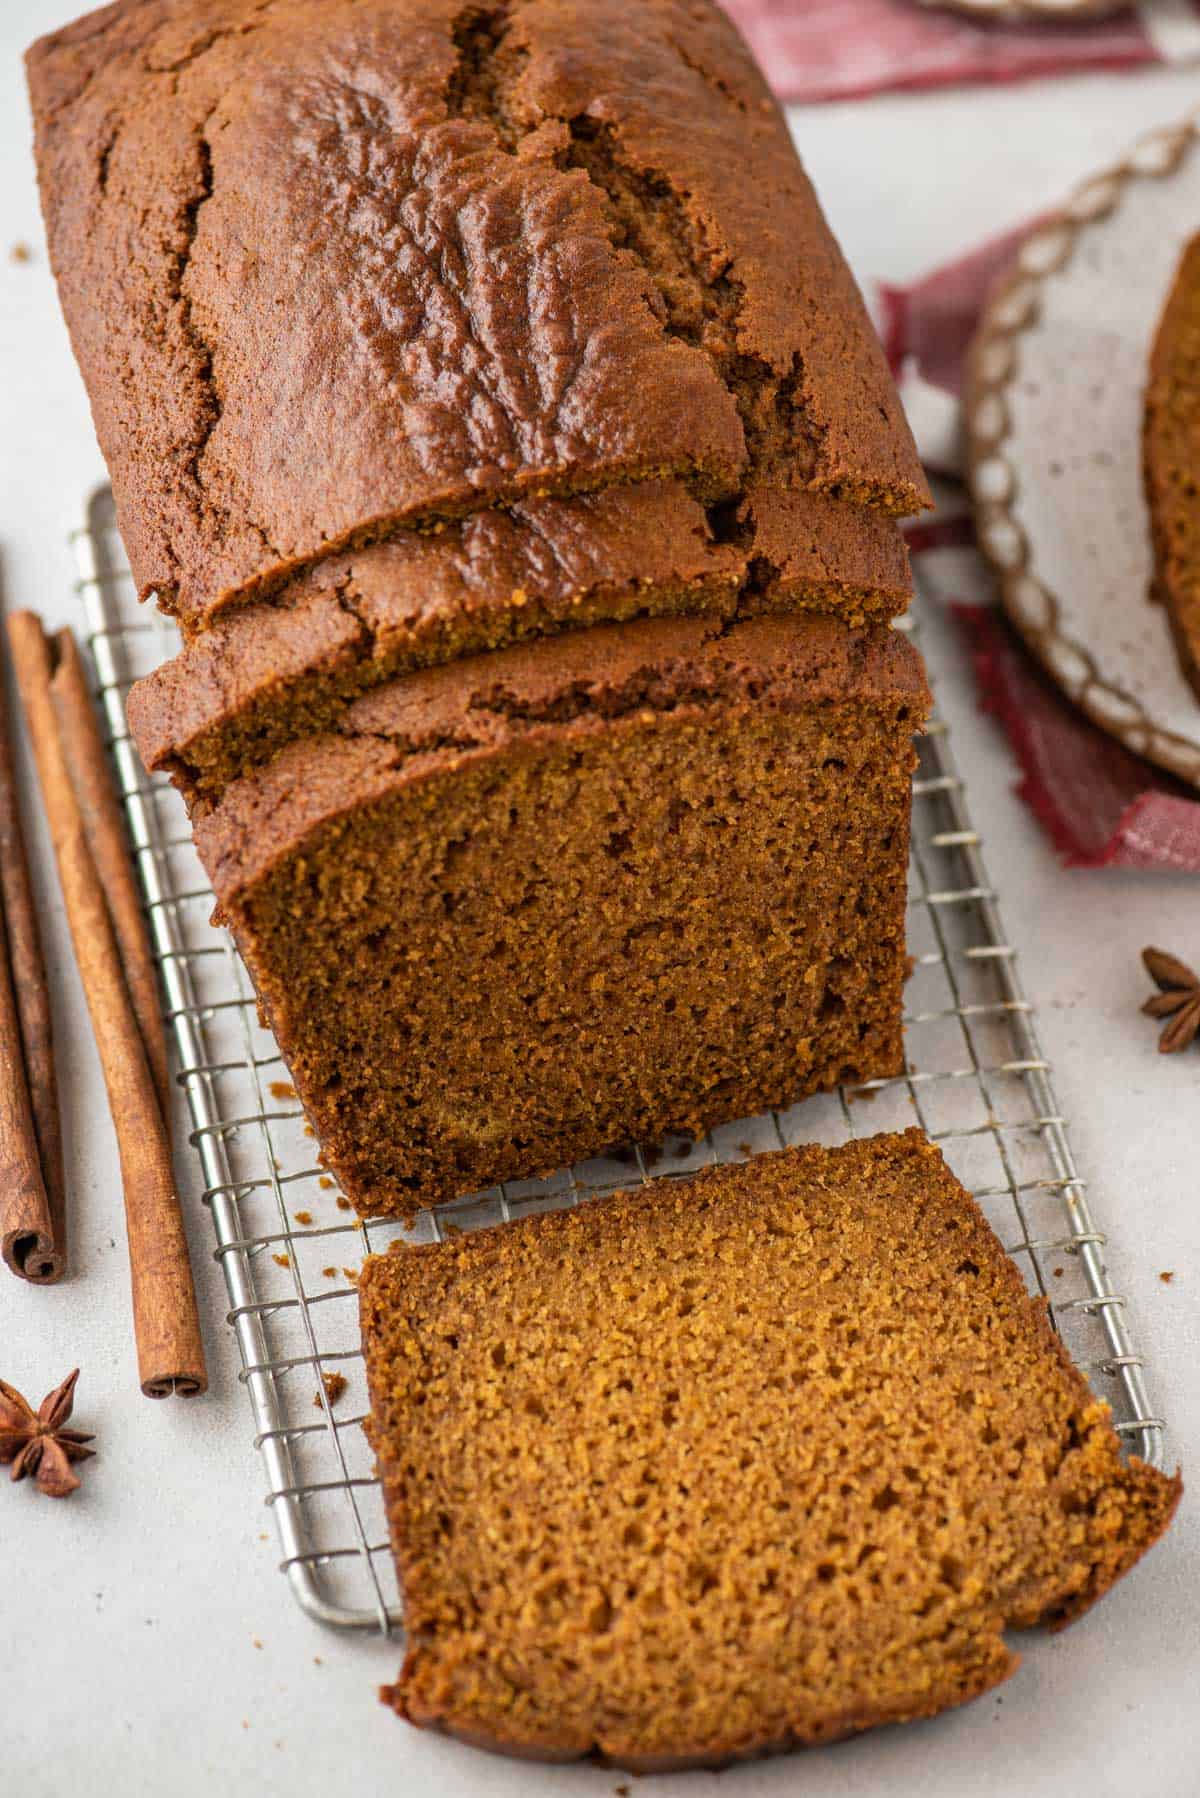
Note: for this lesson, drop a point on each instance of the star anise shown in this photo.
(1177, 999)
(38, 1443)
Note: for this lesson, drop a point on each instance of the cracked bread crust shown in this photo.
(723, 1466)
(331, 270)
(601, 887)
(264, 674)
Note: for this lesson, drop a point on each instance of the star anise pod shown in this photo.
(38, 1443)
(1177, 999)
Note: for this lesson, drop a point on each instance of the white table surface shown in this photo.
(148, 1643)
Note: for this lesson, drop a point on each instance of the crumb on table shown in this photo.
(1058, 1273)
(20, 252)
(1167, 1277)
(335, 1385)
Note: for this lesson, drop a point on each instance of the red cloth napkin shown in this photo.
(841, 49)
(1102, 806)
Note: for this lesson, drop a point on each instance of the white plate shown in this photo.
(1053, 402)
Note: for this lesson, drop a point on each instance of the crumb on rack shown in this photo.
(351, 1274)
(284, 1260)
(1167, 1277)
(256, 1641)
(343, 1203)
(325, 1183)
(303, 1217)
(335, 1385)
(309, 1131)
(282, 1089)
(330, 1273)
(1058, 1273)
(20, 252)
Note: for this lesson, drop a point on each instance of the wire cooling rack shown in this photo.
(290, 1246)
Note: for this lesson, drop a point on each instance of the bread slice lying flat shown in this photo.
(715, 1468)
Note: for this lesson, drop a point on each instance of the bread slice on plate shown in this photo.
(1171, 460)
(727, 1466)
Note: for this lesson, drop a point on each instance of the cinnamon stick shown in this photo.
(33, 1222)
(166, 1324)
(87, 765)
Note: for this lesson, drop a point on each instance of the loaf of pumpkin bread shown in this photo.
(751, 1461)
(603, 886)
(484, 393)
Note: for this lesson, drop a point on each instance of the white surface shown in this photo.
(147, 1642)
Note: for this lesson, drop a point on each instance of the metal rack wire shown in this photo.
(289, 1245)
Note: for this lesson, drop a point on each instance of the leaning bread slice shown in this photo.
(716, 1468)
(263, 675)
(594, 889)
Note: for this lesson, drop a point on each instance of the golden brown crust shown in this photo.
(663, 1537)
(498, 250)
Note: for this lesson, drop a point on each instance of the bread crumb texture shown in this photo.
(721, 1467)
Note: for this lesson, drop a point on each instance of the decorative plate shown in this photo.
(1053, 411)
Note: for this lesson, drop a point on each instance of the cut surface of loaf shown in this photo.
(264, 674)
(334, 269)
(599, 887)
(1171, 460)
(746, 1462)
